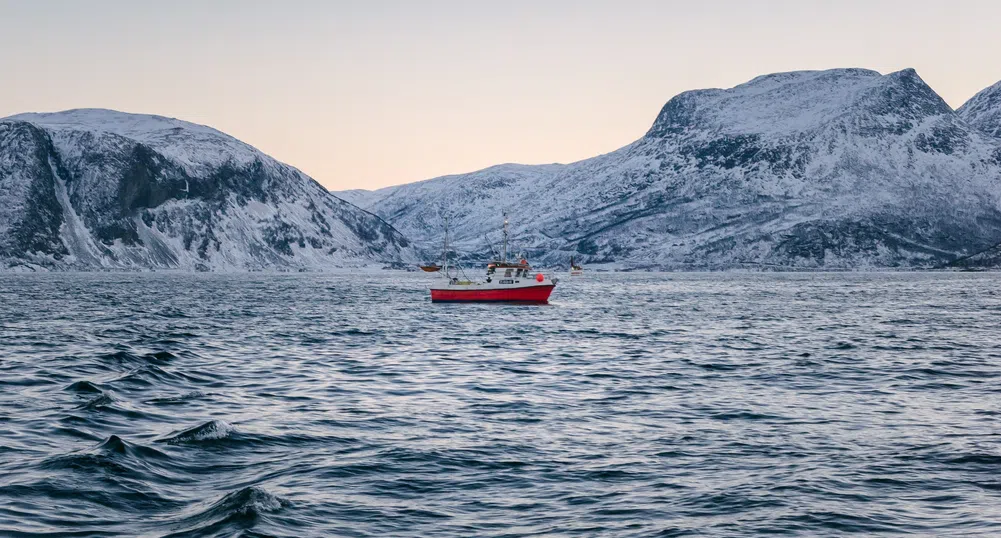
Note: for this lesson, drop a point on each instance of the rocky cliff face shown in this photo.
(838, 169)
(97, 189)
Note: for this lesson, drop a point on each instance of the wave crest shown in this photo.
(212, 430)
(237, 508)
(84, 387)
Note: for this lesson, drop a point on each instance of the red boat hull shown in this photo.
(530, 294)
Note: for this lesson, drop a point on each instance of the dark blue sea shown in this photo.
(634, 405)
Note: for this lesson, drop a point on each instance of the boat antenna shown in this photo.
(504, 258)
(444, 252)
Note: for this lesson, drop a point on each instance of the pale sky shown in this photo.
(366, 94)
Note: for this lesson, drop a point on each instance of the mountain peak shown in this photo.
(983, 111)
(798, 101)
(111, 121)
(787, 77)
(193, 146)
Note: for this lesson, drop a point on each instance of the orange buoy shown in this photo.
(539, 277)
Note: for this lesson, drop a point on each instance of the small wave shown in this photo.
(161, 356)
(127, 357)
(84, 387)
(115, 474)
(171, 312)
(111, 455)
(150, 375)
(23, 381)
(212, 430)
(719, 367)
(976, 459)
(116, 445)
(106, 402)
(176, 400)
(742, 415)
(144, 375)
(237, 509)
(220, 433)
(253, 499)
(102, 401)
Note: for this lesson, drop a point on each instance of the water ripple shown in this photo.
(635, 405)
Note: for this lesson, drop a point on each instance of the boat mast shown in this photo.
(504, 258)
(444, 252)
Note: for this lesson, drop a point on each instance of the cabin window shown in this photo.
(508, 272)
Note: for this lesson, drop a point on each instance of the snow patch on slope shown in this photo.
(74, 233)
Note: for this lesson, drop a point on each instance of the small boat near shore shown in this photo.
(575, 268)
(506, 282)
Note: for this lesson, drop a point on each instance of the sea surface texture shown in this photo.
(633, 405)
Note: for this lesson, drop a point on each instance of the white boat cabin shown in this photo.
(510, 271)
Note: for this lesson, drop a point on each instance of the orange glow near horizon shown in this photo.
(372, 94)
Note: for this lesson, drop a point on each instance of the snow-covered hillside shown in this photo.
(836, 169)
(983, 111)
(98, 189)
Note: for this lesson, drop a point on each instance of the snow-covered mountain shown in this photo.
(836, 169)
(98, 189)
(983, 111)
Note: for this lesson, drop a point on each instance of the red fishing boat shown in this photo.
(505, 283)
